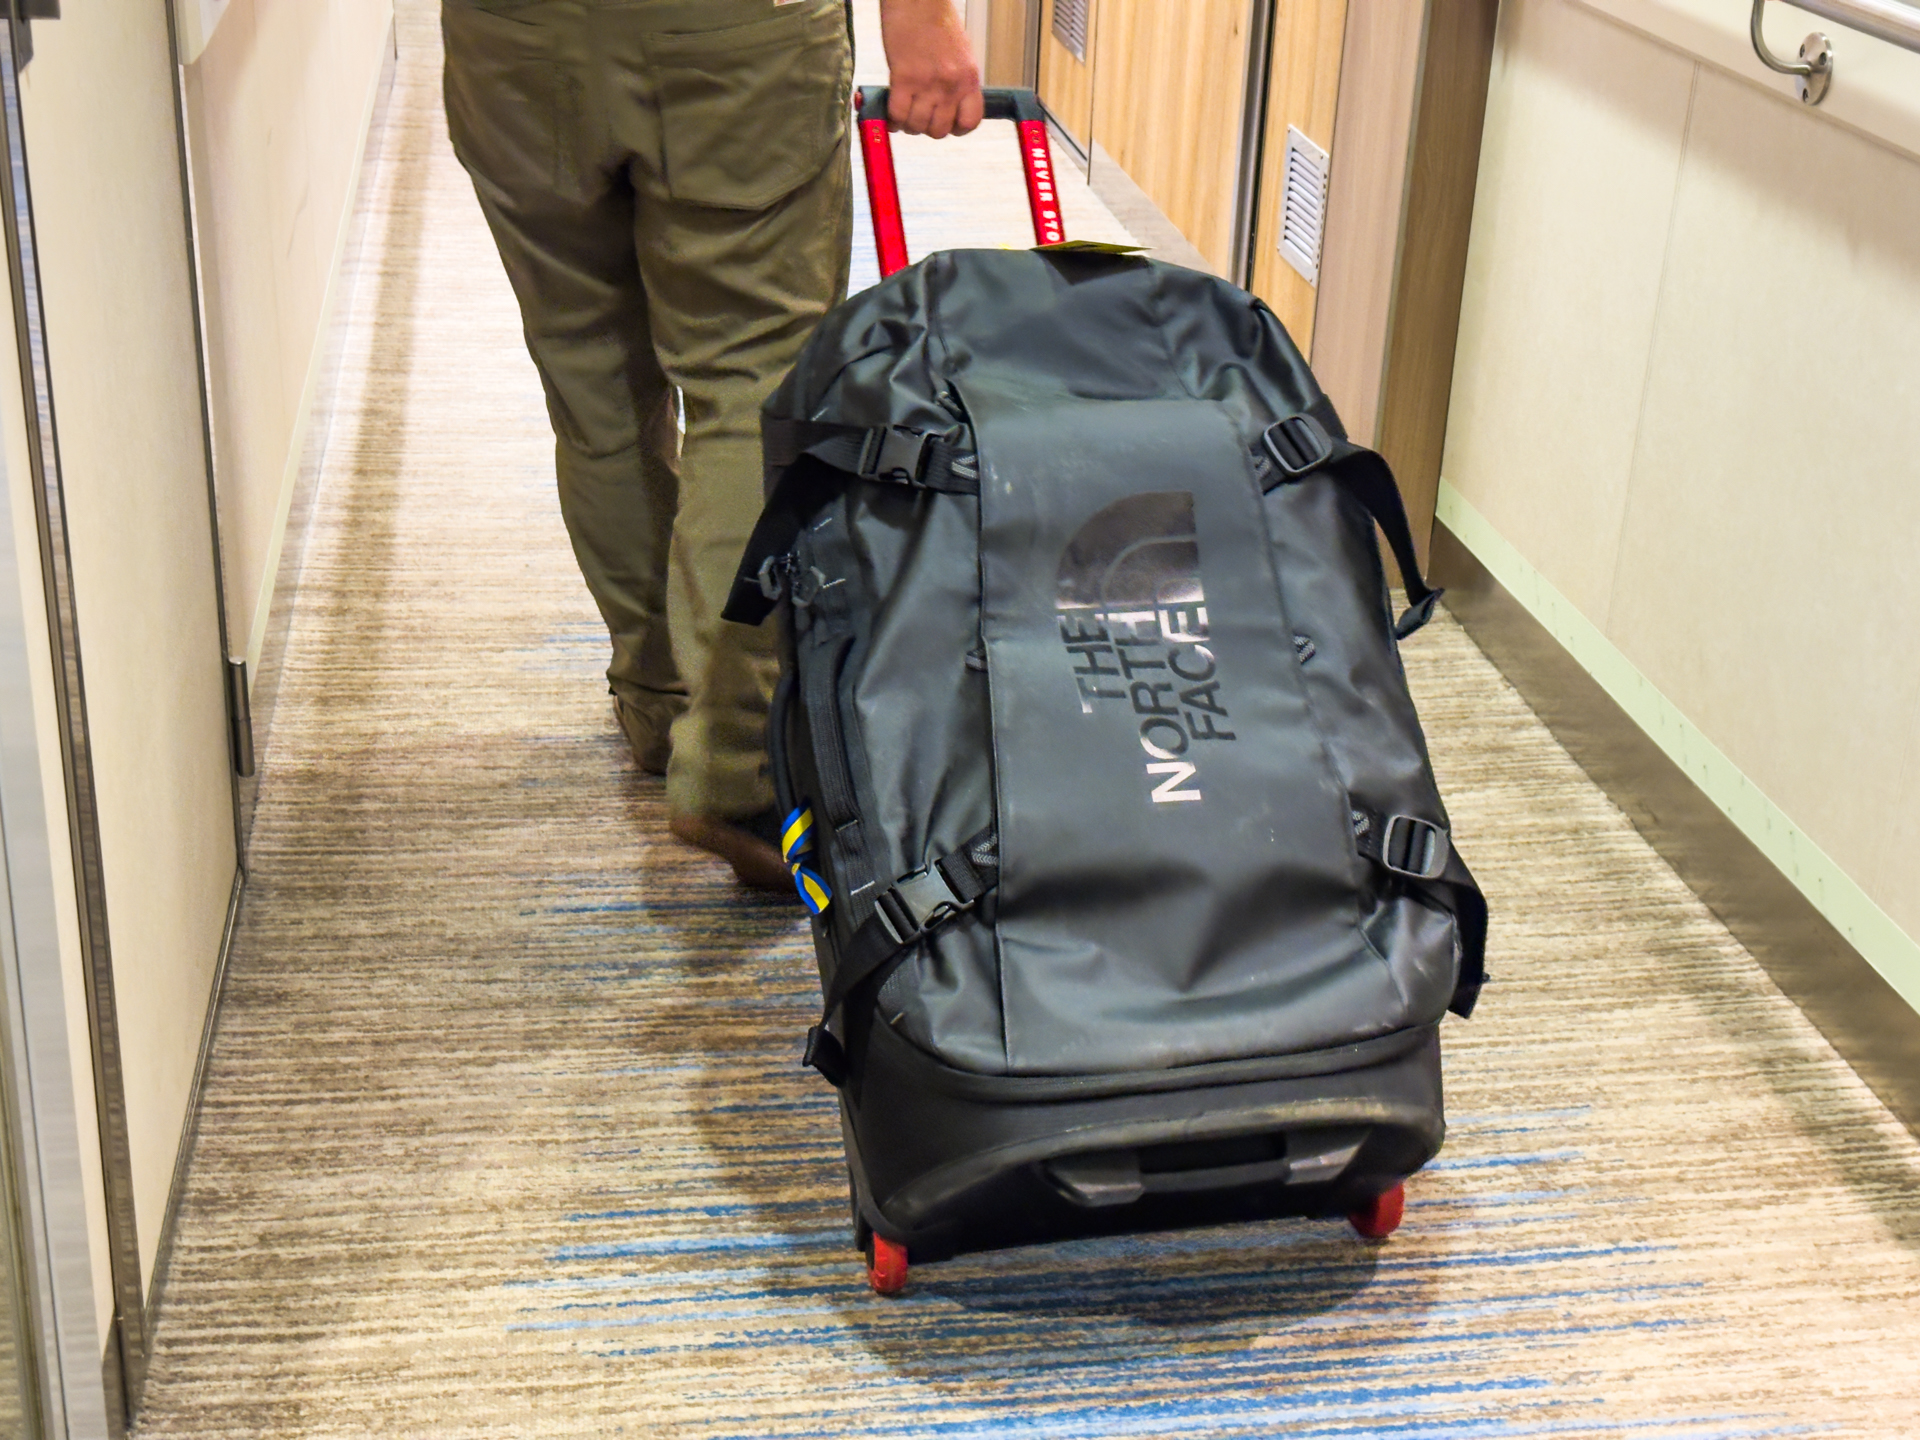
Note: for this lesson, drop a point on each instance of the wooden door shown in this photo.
(1009, 36)
(1169, 107)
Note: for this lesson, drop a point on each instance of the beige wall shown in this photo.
(98, 116)
(278, 105)
(1687, 392)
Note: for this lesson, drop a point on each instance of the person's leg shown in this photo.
(561, 213)
(742, 228)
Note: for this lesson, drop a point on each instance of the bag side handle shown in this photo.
(1296, 446)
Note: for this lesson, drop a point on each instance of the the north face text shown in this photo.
(1133, 621)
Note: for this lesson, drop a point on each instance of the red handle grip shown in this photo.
(883, 196)
(1036, 158)
(883, 185)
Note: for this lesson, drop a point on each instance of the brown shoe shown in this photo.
(651, 749)
(755, 860)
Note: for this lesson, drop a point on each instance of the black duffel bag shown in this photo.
(1100, 768)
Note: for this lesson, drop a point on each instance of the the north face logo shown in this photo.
(1133, 619)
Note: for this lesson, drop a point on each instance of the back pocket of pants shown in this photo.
(749, 113)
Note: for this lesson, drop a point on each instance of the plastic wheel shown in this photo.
(886, 1266)
(1380, 1216)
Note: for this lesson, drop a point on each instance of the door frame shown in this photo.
(126, 1347)
(1406, 158)
(76, 1397)
(121, 1355)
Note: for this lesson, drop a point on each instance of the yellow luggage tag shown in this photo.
(1089, 247)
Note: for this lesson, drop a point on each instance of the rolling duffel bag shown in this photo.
(1134, 899)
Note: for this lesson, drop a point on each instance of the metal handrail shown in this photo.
(1814, 70)
(1894, 21)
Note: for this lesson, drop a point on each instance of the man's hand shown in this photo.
(933, 81)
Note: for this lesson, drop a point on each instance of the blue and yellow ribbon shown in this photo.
(796, 841)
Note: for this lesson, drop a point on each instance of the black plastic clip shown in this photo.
(1298, 444)
(891, 453)
(916, 904)
(1414, 847)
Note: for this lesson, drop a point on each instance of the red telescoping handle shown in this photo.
(883, 186)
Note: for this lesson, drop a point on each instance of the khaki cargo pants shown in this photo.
(667, 183)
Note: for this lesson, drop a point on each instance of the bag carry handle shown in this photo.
(883, 185)
(1296, 446)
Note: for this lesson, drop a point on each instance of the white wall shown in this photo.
(1686, 412)
(278, 105)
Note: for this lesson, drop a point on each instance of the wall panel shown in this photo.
(1379, 84)
(1687, 400)
(1766, 555)
(1066, 82)
(278, 106)
(1302, 89)
(1406, 147)
(1585, 124)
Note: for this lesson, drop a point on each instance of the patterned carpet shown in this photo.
(505, 1135)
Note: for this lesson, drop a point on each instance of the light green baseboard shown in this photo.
(1831, 891)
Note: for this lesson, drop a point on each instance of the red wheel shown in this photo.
(1380, 1216)
(887, 1266)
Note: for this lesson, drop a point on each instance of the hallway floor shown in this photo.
(505, 1133)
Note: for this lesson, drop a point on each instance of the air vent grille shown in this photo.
(1303, 205)
(1070, 26)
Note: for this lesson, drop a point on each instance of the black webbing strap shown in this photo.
(912, 907)
(1313, 441)
(796, 491)
(1422, 855)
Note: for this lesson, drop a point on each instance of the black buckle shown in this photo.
(917, 903)
(1298, 444)
(891, 453)
(1415, 847)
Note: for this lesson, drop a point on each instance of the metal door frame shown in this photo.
(43, 1120)
(129, 1340)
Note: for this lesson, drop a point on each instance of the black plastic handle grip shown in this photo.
(1002, 104)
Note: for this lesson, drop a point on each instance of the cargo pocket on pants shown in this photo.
(502, 90)
(749, 113)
